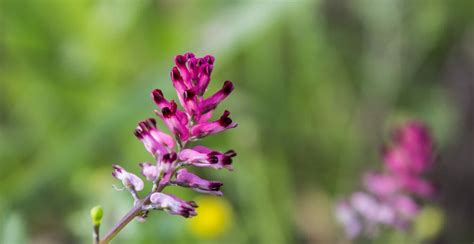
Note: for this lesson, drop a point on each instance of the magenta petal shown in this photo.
(173, 204)
(192, 155)
(209, 128)
(155, 141)
(204, 157)
(129, 180)
(149, 171)
(212, 102)
(188, 179)
(175, 120)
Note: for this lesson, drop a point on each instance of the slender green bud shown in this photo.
(96, 214)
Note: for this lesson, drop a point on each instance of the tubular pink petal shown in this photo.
(149, 171)
(212, 102)
(173, 204)
(155, 141)
(129, 180)
(188, 179)
(214, 127)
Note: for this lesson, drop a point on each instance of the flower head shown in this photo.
(190, 122)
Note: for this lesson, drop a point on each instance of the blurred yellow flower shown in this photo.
(213, 219)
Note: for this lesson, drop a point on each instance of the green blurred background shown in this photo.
(319, 85)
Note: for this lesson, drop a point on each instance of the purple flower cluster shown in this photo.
(190, 78)
(390, 196)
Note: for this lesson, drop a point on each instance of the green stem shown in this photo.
(95, 234)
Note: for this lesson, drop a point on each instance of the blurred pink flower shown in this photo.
(389, 199)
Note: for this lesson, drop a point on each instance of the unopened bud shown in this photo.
(96, 214)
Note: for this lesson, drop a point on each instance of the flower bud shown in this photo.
(96, 214)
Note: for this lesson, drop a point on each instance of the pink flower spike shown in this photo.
(129, 180)
(187, 179)
(212, 102)
(173, 204)
(209, 128)
(150, 171)
(190, 77)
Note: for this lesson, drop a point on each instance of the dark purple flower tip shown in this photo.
(213, 159)
(170, 111)
(224, 120)
(175, 74)
(193, 204)
(193, 63)
(189, 55)
(170, 157)
(138, 133)
(143, 125)
(157, 96)
(230, 153)
(228, 87)
(152, 122)
(215, 185)
(166, 112)
(226, 160)
(209, 59)
(117, 168)
(188, 94)
(207, 69)
(180, 60)
(147, 124)
(200, 61)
